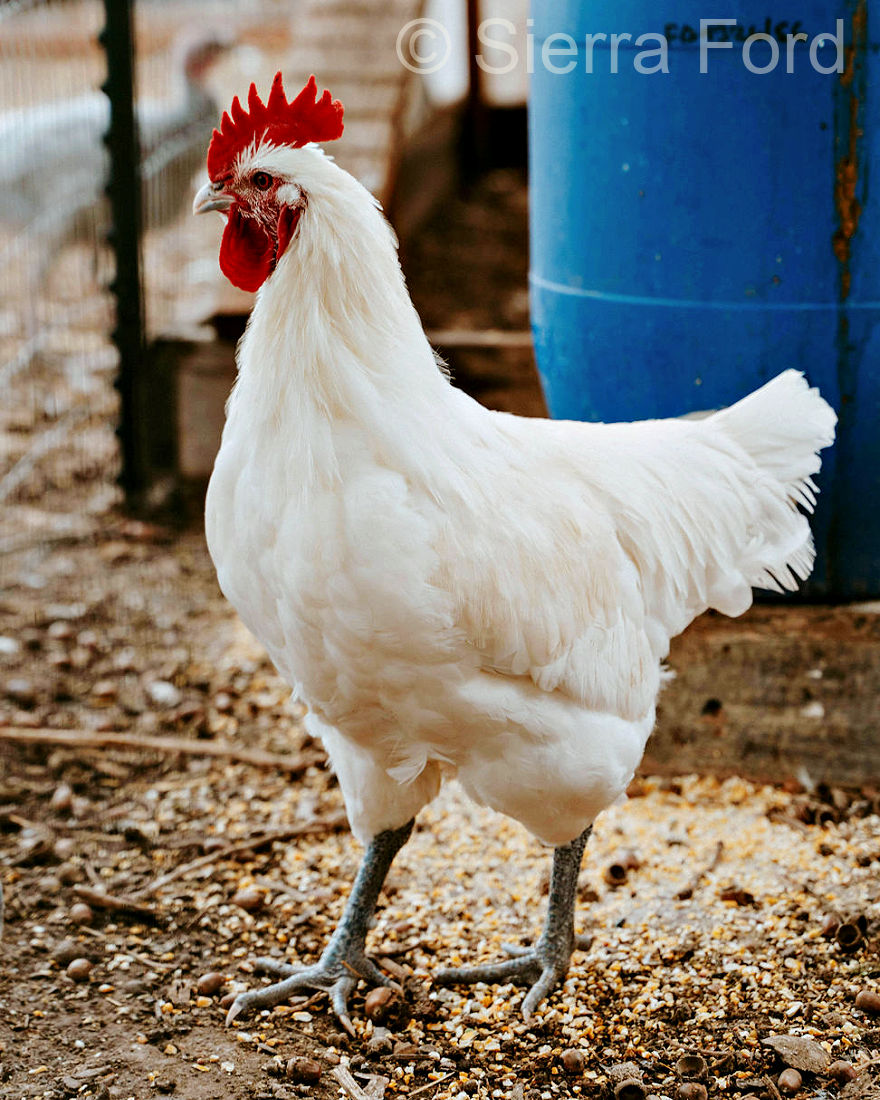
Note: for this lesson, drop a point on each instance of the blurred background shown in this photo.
(417, 141)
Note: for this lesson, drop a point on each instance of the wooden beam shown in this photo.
(486, 338)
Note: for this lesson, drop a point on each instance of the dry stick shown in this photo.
(113, 902)
(688, 890)
(293, 765)
(394, 968)
(376, 1086)
(430, 1085)
(349, 1086)
(771, 1087)
(282, 888)
(316, 825)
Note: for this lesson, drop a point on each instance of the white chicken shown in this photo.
(454, 591)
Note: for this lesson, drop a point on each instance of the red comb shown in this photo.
(304, 119)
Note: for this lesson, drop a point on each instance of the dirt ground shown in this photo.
(193, 826)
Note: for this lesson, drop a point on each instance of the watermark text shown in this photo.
(424, 46)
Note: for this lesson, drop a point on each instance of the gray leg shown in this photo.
(344, 959)
(545, 965)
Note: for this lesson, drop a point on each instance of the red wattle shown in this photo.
(247, 252)
(287, 220)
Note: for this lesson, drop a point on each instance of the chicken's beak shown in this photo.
(211, 197)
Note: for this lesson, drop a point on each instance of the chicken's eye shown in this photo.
(262, 181)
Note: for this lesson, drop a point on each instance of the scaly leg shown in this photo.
(344, 959)
(545, 965)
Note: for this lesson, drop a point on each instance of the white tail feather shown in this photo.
(783, 426)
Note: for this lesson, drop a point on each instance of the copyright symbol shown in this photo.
(423, 46)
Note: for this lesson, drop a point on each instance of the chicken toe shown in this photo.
(344, 959)
(334, 973)
(545, 965)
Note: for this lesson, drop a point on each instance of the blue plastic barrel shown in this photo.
(695, 233)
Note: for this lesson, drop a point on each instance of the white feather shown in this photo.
(458, 591)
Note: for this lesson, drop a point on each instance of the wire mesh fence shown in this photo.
(54, 356)
(57, 363)
(59, 410)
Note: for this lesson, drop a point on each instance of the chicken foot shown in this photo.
(344, 959)
(546, 964)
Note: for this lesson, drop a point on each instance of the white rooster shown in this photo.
(454, 591)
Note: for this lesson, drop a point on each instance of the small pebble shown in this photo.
(21, 691)
(80, 657)
(227, 999)
(81, 806)
(210, 984)
(691, 1090)
(135, 986)
(105, 690)
(62, 798)
(249, 898)
(789, 1082)
(868, 1001)
(224, 702)
(305, 1071)
(64, 848)
(66, 952)
(164, 694)
(69, 873)
(79, 970)
(80, 913)
(842, 1072)
(380, 1042)
(9, 646)
(61, 631)
(378, 1003)
(572, 1061)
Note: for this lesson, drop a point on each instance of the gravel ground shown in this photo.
(719, 917)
